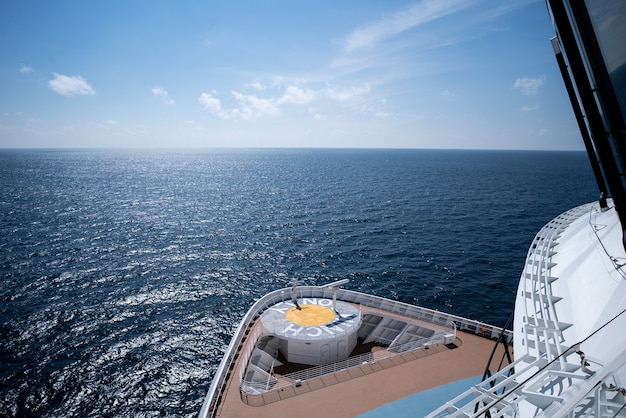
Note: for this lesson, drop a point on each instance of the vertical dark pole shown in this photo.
(609, 156)
(580, 119)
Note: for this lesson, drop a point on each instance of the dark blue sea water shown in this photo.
(124, 273)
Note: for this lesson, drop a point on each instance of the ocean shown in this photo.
(124, 272)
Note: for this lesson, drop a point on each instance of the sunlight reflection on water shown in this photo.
(125, 272)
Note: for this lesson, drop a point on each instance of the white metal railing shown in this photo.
(551, 379)
(543, 329)
(500, 394)
(249, 350)
(315, 372)
(213, 397)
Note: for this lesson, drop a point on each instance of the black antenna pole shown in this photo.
(580, 119)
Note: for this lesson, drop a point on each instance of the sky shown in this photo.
(464, 74)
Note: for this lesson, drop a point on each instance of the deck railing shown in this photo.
(314, 372)
(212, 400)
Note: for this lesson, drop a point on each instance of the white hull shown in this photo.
(569, 339)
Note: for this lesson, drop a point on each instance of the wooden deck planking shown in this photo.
(368, 386)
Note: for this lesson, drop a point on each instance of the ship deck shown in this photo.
(365, 387)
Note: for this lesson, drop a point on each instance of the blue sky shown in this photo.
(352, 73)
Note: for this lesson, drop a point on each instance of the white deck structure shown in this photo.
(246, 379)
(570, 317)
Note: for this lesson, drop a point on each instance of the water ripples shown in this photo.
(124, 273)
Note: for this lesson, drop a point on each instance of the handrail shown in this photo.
(314, 372)
(211, 401)
(552, 377)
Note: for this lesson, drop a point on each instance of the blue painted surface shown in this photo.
(422, 403)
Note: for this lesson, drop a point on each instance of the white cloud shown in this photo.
(257, 85)
(345, 95)
(162, 93)
(253, 107)
(529, 86)
(250, 106)
(212, 105)
(26, 69)
(296, 95)
(70, 85)
(401, 21)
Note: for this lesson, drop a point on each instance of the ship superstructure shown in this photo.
(570, 309)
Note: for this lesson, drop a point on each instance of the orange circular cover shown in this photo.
(310, 315)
